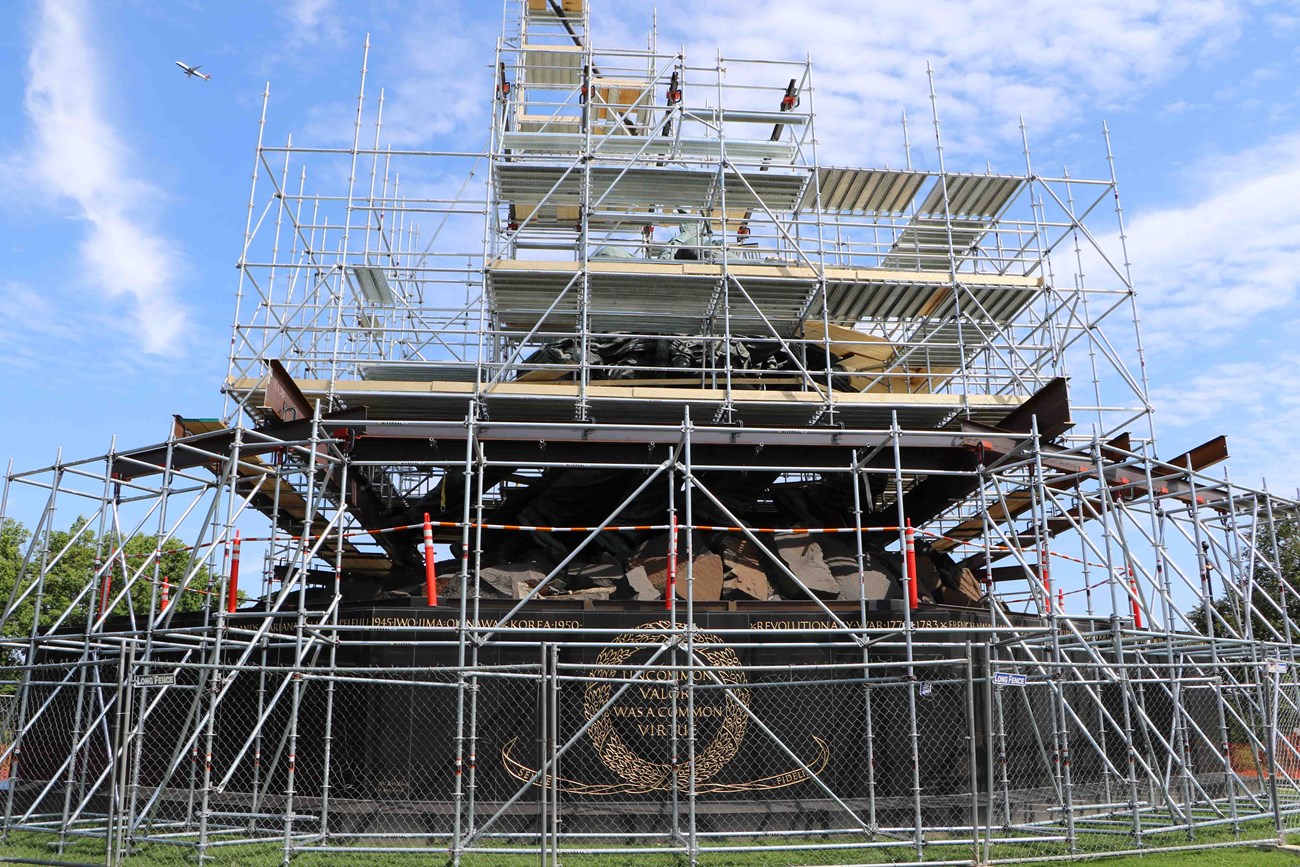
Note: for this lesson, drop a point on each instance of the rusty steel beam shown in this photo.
(284, 400)
(936, 494)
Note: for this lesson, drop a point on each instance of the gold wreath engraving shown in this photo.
(525, 774)
(643, 773)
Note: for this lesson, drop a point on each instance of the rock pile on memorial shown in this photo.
(727, 566)
(627, 564)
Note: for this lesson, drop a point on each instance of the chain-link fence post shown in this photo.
(1272, 671)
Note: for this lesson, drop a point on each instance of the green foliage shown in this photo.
(68, 559)
(1268, 594)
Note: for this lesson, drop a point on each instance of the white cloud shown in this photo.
(1216, 290)
(993, 61)
(77, 155)
(435, 74)
(1251, 402)
(43, 324)
(312, 21)
(1207, 269)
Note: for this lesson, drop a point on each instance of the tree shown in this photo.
(74, 568)
(1276, 587)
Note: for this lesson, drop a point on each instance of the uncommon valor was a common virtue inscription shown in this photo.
(638, 716)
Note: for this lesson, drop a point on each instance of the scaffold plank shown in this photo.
(671, 188)
(651, 147)
(928, 244)
(645, 296)
(972, 197)
(862, 191)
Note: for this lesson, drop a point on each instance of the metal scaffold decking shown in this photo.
(656, 492)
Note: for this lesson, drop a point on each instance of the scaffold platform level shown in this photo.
(885, 192)
(631, 402)
(637, 186)
(680, 149)
(648, 297)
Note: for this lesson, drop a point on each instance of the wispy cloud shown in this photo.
(994, 61)
(312, 21)
(1208, 268)
(1252, 403)
(77, 155)
(43, 324)
(435, 75)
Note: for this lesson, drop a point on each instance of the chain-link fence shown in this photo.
(650, 742)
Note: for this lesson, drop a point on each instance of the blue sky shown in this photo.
(124, 185)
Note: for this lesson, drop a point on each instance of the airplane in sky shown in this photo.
(191, 71)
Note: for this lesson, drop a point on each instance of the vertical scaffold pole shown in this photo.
(689, 625)
(918, 830)
(1060, 720)
(242, 264)
(212, 678)
(953, 279)
(1274, 675)
(74, 780)
(163, 592)
(1128, 284)
(314, 498)
(463, 639)
(582, 408)
(1230, 779)
(972, 763)
(259, 735)
(1117, 642)
(676, 694)
(336, 599)
(543, 747)
(475, 471)
(859, 478)
(553, 751)
(1050, 324)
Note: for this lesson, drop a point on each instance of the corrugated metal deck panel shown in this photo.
(853, 302)
(934, 345)
(553, 65)
(640, 303)
(646, 186)
(975, 197)
(863, 191)
(989, 301)
(643, 295)
(986, 303)
(923, 244)
(650, 147)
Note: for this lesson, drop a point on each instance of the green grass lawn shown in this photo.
(27, 848)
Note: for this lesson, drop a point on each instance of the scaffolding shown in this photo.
(773, 518)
